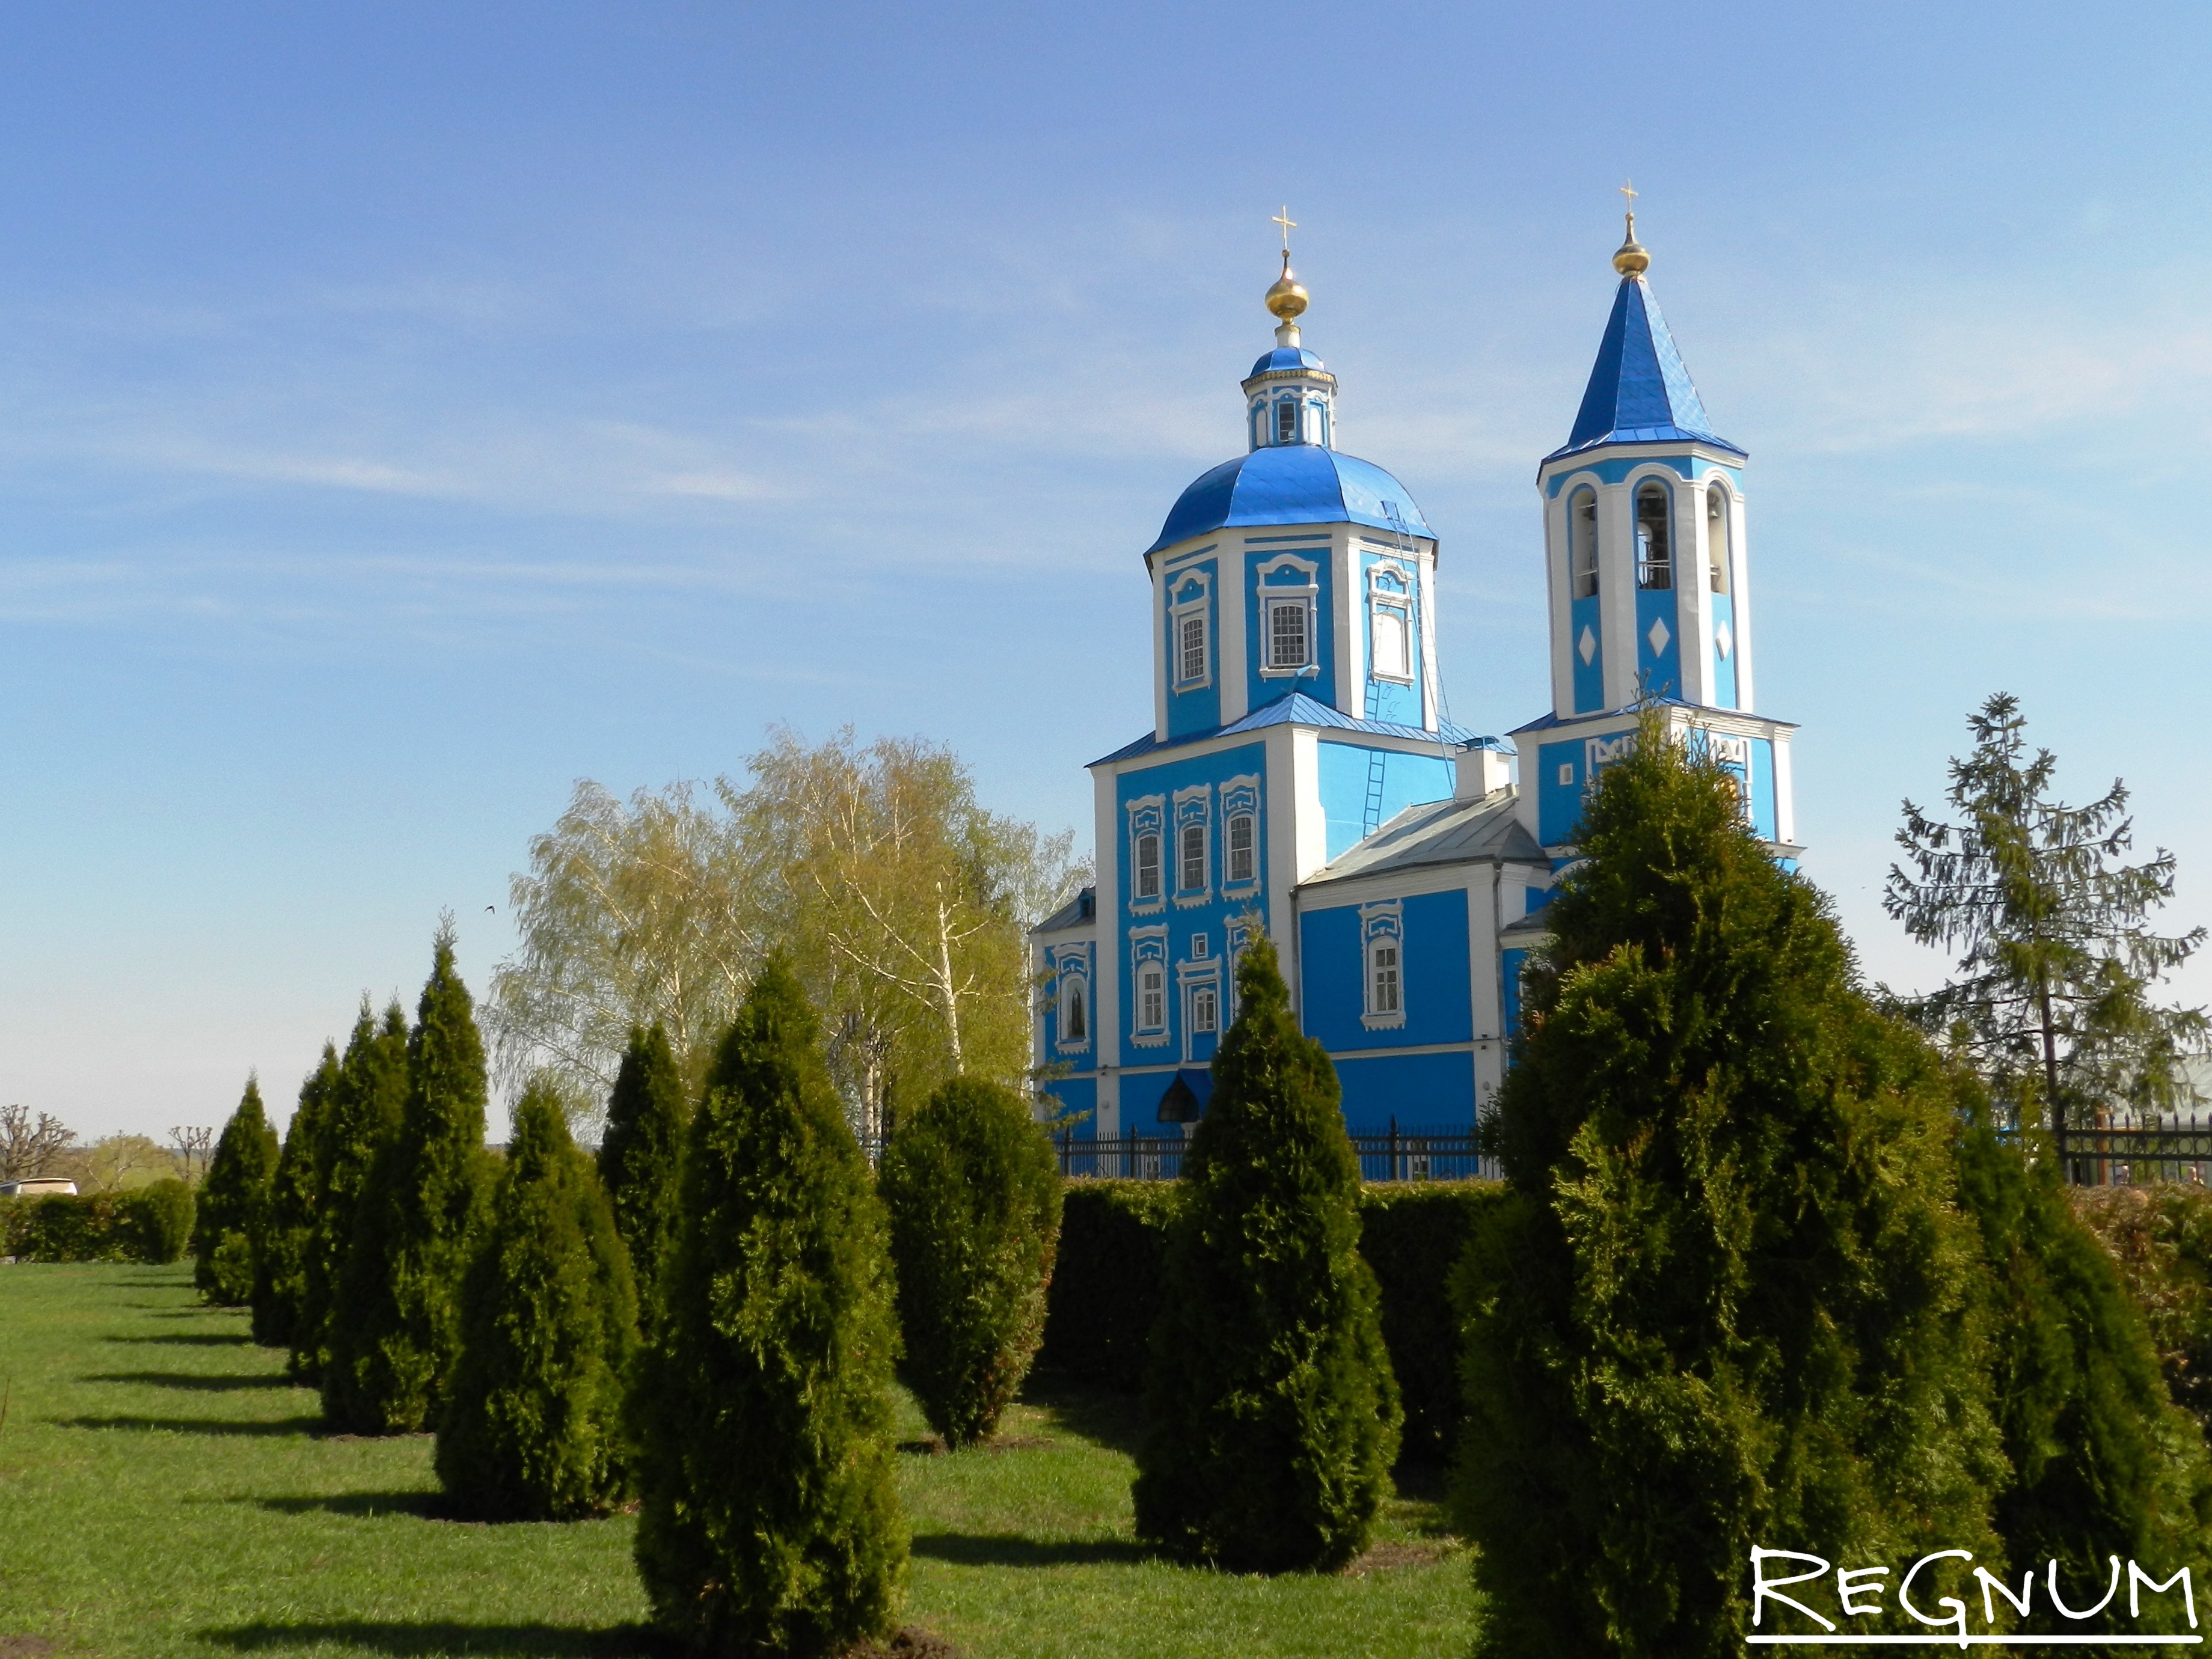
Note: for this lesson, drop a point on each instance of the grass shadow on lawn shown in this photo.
(435, 1636)
(1114, 1420)
(189, 1339)
(193, 1380)
(965, 1549)
(192, 1425)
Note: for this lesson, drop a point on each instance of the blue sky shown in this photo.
(406, 411)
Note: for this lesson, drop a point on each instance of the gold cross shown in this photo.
(1288, 224)
(1631, 193)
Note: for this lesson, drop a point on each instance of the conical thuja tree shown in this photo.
(234, 1203)
(396, 1327)
(361, 1117)
(534, 1429)
(646, 1114)
(1271, 1417)
(770, 1520)
(2103, 1463)
(973, 1190)
(287, 1225)
(1729, 1302)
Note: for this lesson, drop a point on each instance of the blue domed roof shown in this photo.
(1292, 484)
(1285, 357)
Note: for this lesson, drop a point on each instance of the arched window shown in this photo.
(1286, 422)
(1205, 1008)
(1151, 997)
(1655, 559)
(1148, 866)
(1074, 1022)
(1240, 847)
(1192, 875)
(1582, 543)
(1716, 538)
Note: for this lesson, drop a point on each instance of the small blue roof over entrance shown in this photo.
(1292, 484)
(1638, 391)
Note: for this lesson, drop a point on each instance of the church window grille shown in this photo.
(1192, 666)
(1582, 543)
(1288, 636)
(1074, 1027)
(1655, 563)
(1205, 1008)
(1151, 997)
(1716, 538)
(1240, 847)
(1286, 422)
(1192, 874)
(1148, 866)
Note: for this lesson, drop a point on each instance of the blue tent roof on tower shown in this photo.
(1638, 391)
(1292, 484)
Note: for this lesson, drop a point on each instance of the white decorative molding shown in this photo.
(1383, 979)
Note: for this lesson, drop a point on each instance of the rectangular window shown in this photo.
(1193, 857)
(1073, 1028)
(1286, 634)
(1286, 422)
(1392, 659)
(1240, 847)
(1386, 978)
(1205, 1008)
(1148, 866)
(1192, 664)
(1151, 997)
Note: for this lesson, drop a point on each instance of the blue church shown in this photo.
(1299, 777)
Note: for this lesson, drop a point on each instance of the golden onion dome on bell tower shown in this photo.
(1631, 259)
(1287, 298)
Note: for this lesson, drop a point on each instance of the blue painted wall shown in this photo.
(1319, 682)
(1510, 964)
(1590, 677)
(1077, 1096)
(1421, 1090)
(1388, 699)
(1183, 919)
(1762, 787)
(1723, 671)
(1197, 708)
(1436, 978)
(1659, 673)
(1346, 773)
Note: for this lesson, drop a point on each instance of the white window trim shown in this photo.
(1190, 976)
(1147, 812)
(1382, 597)
(1383, 922)
(1071, 976)
(1307, 592)
(1201, 606)
(1148, 948)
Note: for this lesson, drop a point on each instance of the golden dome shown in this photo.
(1287, 298)
(1632, 260)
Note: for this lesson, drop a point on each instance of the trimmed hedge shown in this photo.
(1106, 1290)
(1412, 1235)
(149, 1224)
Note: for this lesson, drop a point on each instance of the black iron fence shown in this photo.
(2133, 1155)
(1393, 1155)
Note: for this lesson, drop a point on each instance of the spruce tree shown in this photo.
(2103, 1463)
(1729, 1301)
(396, 1327)
(770, 1519)
(973, 1192)
(646, 1115)
(361, 1117)
(534, 1430)
(1271, 1417)
(280, 1254)
(2057, 957)
(234, 1203)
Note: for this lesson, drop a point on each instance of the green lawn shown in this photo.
(162, 1491)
